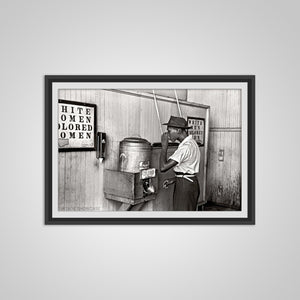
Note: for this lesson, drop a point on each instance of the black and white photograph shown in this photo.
(142, 156)
(150, 149)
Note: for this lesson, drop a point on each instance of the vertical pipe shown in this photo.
(179, 110)
(157, 112)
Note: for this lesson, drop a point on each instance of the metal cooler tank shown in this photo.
(135, 154)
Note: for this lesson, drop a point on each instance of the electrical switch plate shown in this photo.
(220, 190)
(221, 155)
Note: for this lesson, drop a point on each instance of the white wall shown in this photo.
(149, 262)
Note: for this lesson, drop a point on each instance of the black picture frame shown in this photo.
(249, 80)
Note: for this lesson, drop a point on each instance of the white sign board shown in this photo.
(76, 125)
(197, 130)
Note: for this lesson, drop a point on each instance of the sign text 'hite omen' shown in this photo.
(76, 125)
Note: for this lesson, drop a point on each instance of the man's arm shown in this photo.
(165, 164)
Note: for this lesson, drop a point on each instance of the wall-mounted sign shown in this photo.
(197, 130)
(76, 126)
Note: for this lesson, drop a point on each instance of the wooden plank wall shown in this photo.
(119, 115)
(223, 178)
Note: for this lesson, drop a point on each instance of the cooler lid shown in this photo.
(135, 140)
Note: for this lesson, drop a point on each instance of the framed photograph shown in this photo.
(150, 149)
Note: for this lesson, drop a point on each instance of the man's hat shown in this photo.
(177, 122)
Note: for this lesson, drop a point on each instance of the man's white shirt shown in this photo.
(187, 155)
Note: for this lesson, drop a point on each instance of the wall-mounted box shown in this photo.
(221, 155)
